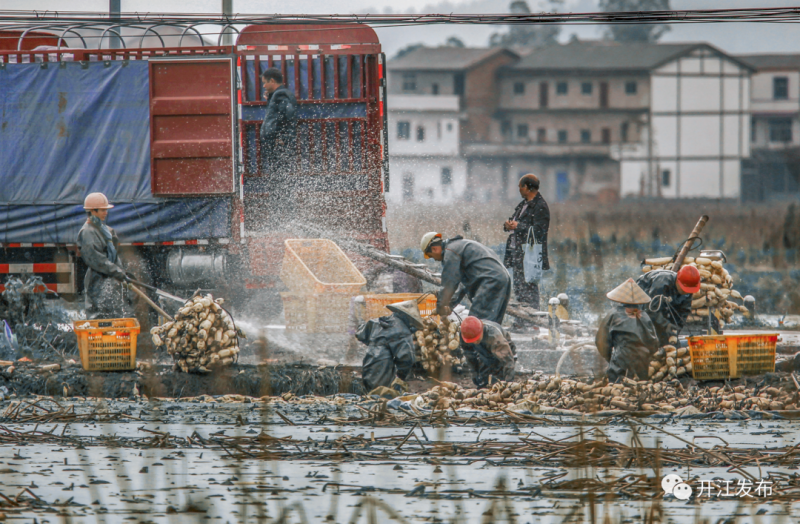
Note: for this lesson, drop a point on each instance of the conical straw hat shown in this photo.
(410, 309)
(629, 293)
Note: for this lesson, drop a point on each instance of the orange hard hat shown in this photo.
(96, 201)
(689, 278)
(471, 330)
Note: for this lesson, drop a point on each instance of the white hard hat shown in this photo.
(553, 302)
(426, 241)
(96, 201)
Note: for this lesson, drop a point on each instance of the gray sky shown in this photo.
(731, 37)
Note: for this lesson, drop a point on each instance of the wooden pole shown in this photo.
(152, 304)
(689, 241)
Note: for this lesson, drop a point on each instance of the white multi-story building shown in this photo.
(775, 128)
(439, 99)
(424, 162)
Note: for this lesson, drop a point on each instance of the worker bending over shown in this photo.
(390, 355)
(103, 283)
(671, 299)
(489, 350)
(626, 337)
(472, 269)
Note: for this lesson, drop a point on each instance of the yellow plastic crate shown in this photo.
(107, 344)
(319, 266)
(732, 356)
(376, 304)
(316, 313)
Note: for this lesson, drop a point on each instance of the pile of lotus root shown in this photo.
(669, 362)
(716, 287)
(631, 395)
(438, 345)
(202, 336)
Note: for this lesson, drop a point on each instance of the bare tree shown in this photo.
(634, 32)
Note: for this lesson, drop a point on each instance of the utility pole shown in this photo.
(114, 10)
(227, 10)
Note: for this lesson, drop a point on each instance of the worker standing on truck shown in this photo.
(489, 351)
(472, 269)
(98, 243)
(279, 129)
(671, 299)
(626, 337)
(390, 341)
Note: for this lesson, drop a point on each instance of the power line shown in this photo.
(57, 18)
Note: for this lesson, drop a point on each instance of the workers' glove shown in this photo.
(443, 311)
(399, 385)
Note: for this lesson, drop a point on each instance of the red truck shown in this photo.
(170, 135)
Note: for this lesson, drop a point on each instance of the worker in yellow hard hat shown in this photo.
(472, 269)
(103, 284)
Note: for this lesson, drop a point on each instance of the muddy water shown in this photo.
(101, 483)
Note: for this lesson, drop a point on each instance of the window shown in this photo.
(780, 130)
(439, 130)
(403, 130)
(522, 130)
(409, 81)
(420, 134)
(586, 88)
(505, 129)
(449, 126)
(630, 87)
(562, 136)
(408, 187)
(623, 132)
(665, 178)
(435, 89)
(753, 135)
(541, 135)
(586, 136)
(458, 84)
(606, 135)
(561, 88)
(447, 176)
(780, 88)
(519, 88)
(543, 98)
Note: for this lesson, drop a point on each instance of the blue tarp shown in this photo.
(70, 129)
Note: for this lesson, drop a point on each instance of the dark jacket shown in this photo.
(104, 296)
(627, 343)
(390, 352)
(492, 356)
(537, 216)
(672, 310)
(280, 122)
(484, 279)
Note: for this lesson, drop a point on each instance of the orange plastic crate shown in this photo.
(376, 304)
(721, 357)
(107, 344)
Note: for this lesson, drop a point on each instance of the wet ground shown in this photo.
(341, 461)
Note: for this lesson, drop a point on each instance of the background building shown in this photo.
(772, 173)
(593, 119)
(439, 99)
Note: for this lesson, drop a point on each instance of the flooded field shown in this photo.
(118, 461)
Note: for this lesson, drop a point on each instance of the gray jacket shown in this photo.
(492, 356)
(627, 343)
(484, 279)
(390, 352)
(103, 273)
(673, 309)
